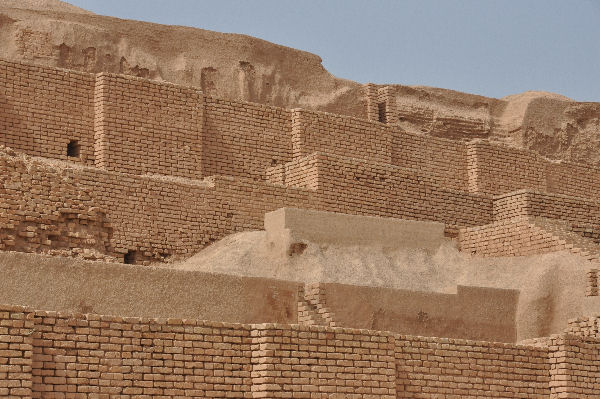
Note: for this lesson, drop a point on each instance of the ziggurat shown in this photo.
(132, 173)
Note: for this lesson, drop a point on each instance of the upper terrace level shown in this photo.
(137, 126)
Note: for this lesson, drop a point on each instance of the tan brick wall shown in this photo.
(572, 179)
(585, 326)
(89, 212)
(349, 185)
(81, 356)
(494, 169)
(244, 139)
(444, 158)
(575, 367)
(551, 206)
(514, 237)
(315, 361)
(16, 352)
(145, 127)
(102, 356)
(42, 109)
(43, 210)
(453, 368)
(340, 135)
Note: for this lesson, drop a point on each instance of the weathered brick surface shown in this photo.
(573, 179)
(60, 355)
(435, 156)
(244, 139)
(340, 135)
(496, 169)
(16, 351)
(42, 109)
(453, 368)
(551, 206)
(349, 185)
(575, 366)
(85, 210)
(145, 127)
(514, 237)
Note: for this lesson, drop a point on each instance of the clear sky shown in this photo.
(487, 47)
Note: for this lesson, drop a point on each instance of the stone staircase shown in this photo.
(312, 309)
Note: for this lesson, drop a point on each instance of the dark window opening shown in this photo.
(381, 110)
(130, 257)
(73, 149)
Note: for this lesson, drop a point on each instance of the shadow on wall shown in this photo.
(472, 313)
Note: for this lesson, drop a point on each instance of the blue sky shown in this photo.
(487, 47)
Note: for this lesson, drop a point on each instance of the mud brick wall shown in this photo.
(101, 356)
(573, 179)
(452, 368)
(43, 109)
(147, 127)
(307, 362)
(301, 172)
(73, 355)
(244, 139)
(575, 367)
(158, 217)
(16, 352)
(496, 169)
(349, 185)
(513, 237)
(585, 326)
(431, 155)
(42, 210)
(90, 212)
(340, 135)
(551, 206)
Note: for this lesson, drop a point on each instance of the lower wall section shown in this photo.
(447, 369)
(57, 355)
(16, 328)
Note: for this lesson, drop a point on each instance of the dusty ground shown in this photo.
(546, 302)
(54, 33)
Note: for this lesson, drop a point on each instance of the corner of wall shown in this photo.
(101, 152)
(371, 101)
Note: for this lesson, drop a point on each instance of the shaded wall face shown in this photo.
(472, 313)
(126, 290)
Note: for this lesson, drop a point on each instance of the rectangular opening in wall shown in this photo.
(73, 149)
(130, 258)
(381, 110)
